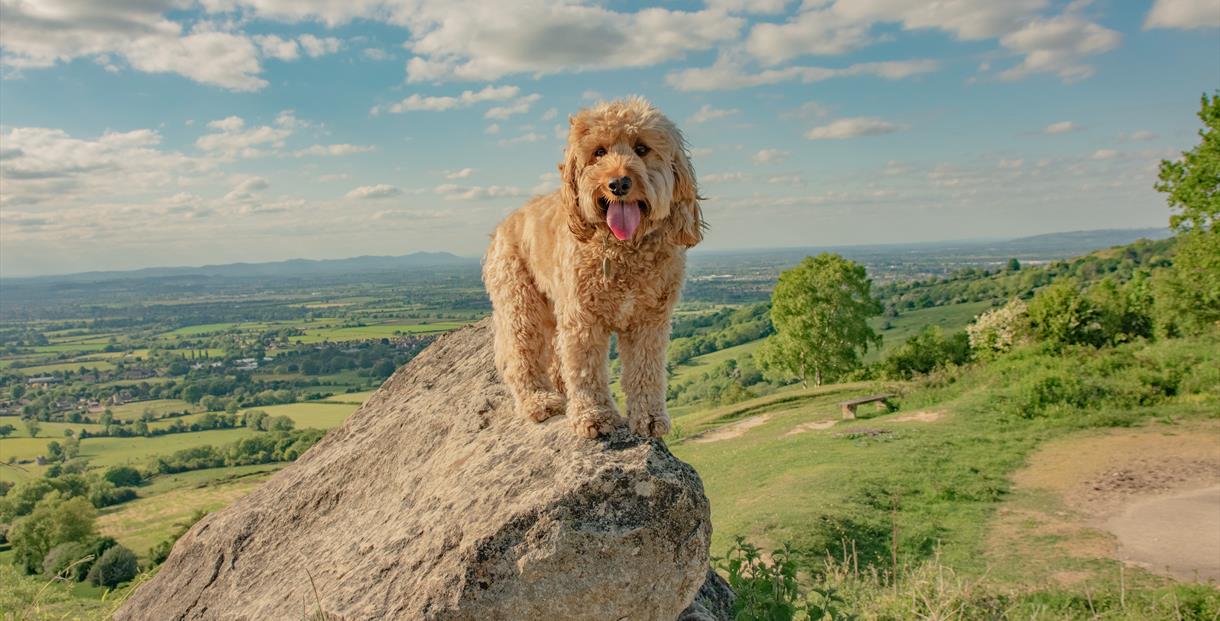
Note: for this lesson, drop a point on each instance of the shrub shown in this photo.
(53, 521)
(925, 352)
(63, 556)
(999, 330)
(116, 566)
(123, 476)
(1059, 315)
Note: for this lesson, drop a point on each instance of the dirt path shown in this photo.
(1177, 534)
(1147, 496)
(731, 431)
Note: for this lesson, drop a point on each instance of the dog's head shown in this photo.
(626, 169)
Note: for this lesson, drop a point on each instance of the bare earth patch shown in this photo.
(817, 425)
(925, 416)
(729, 432)
(1148, 497)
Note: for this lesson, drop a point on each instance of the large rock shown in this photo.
(434, 501)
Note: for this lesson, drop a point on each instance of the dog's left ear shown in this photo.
(685, 216)
(569, 172)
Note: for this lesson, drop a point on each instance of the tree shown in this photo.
(925, 352)
(820, 311)
(1059, 315)
(123, 476)
(6, 430)
(53, 521)
(1014, 265)
(32, 426)
(1192, 186)
(116, 566)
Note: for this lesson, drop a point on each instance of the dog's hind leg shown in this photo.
(525, 325)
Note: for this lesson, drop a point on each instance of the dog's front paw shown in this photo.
(650, 425)
(590, 421)
(541, 405)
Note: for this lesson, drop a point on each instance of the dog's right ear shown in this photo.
(570, 189)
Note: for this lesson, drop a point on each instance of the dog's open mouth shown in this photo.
(623, 217)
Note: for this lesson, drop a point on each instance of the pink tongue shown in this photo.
(623, 218)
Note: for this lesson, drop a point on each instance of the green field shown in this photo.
(316, 414)
(160, 407)
(93, 365)
(951, 318)
(377, 331)
(136, 451)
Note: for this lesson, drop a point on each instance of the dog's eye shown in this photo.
(641, 150)
(599, 152)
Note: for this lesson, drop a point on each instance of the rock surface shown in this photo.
(434, 501)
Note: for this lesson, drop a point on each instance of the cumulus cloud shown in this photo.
(454, 192)
(769, 156)
(853, 127)
(520, 106)
(459, 174)
(1104, 154)
(319, 46)
(1060, 127)
(707, 113)
(247, 189)
(278, 48)
(380, 190)
(1057, 46)
(1184, 14)
(333, 150)
(232, 139)
(454, 42)
(729, 74)
(417, 102)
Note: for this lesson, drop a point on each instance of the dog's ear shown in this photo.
(686, 216)
(569, 171)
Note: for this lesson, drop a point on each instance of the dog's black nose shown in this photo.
(620, 186)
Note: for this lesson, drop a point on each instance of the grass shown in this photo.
(376, 331)
(357, 398)
(318, 415)
(135, 409)
(950, 318)
(170, 499)
(93, 365)
(137, 450)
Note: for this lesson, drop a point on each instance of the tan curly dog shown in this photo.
(604, 253)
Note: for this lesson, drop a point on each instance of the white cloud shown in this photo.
(708, 113)
(785, 180)
(454, 42)
(417, 102)
(333, 150)
(376, 53)
(853, 127)
(232, 138)
(459, 174)
(1104, 154)
(700, 152)
(37, 35)
(520, 106)
(726, 177)
(813, 32)
(592, 95)
(526, 137)
(769, 156)
(1057, 45)
(1060, 127)
(1142, 135)
(319, 46)
(728, 74)
(278, 48)
(494, 128)
(380, 190)
(454, 192)
(1185, 14)
(247, 190)
(769, 7)
(550, 114)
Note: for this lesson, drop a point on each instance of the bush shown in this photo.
(999, 330)
(53, 521)
(63, 556)
(116, 566)
(123, 476)
(925, 352)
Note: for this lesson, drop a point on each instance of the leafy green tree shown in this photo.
(820, 310)
(123, 476)
(6, 430)
(116, 566)
(1059, 315)
(53, 521)
(1192, 186)
(32, 426)
(1014, 265)
(925, 352)
(74, 554)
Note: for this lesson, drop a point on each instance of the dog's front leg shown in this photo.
(583, 347)
(642, 349)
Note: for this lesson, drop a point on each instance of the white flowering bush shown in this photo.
(998, 330)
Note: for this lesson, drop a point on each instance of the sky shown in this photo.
(140, 133)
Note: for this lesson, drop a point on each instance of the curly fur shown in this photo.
(555, 305)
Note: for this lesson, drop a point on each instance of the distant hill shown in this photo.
(292, 267)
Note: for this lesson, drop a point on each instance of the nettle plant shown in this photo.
(766, 588)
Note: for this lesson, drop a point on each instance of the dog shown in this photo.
(604, 253)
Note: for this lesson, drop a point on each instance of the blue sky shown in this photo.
(178, 132)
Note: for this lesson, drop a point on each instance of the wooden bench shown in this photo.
(849, 407)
